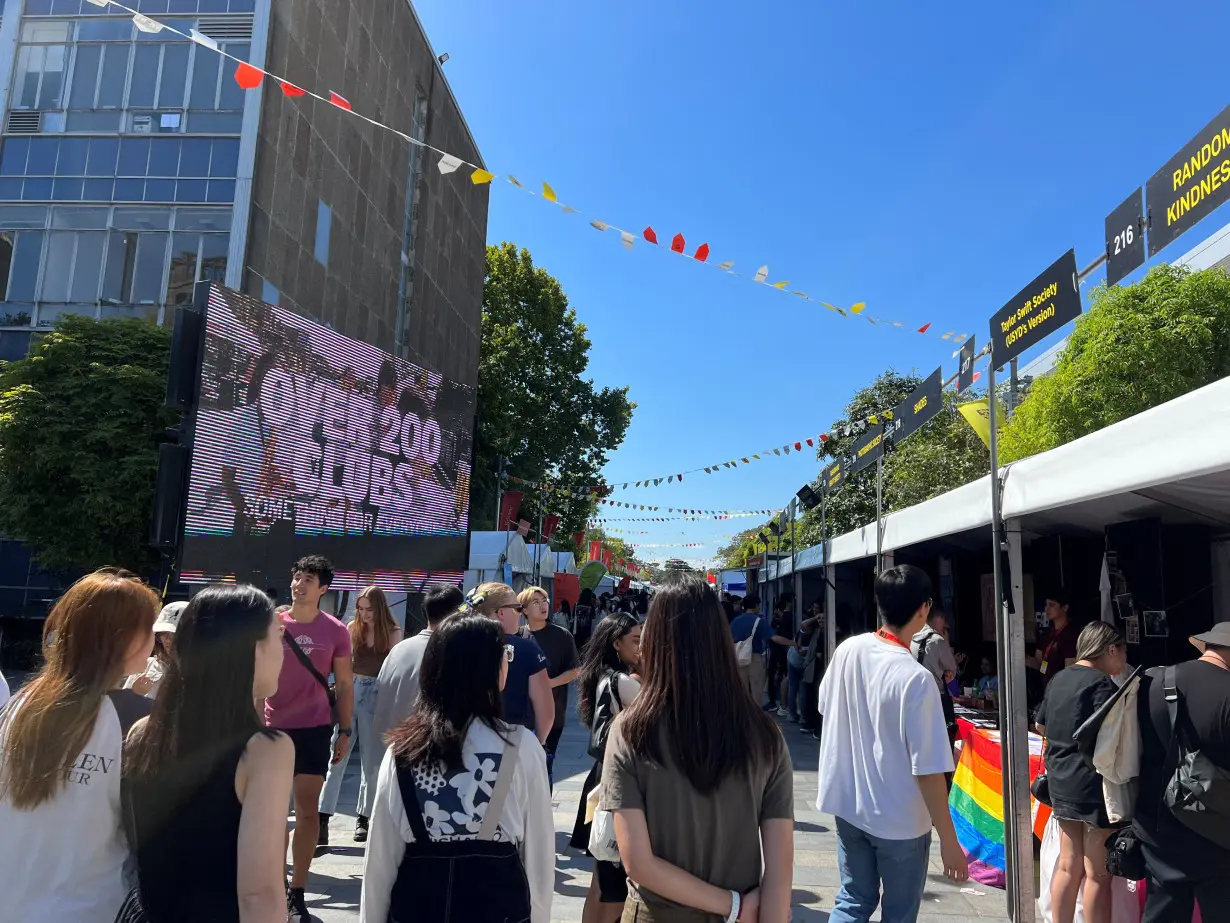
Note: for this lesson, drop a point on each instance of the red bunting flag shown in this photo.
(824, 437)
(650, 235)
(523, 528)
(289, 89)
(578, 538)
(510, 505)
(549, 525)
(925, 327)
(702, 252)
(595, 550)
(677, 243)
(811, 443)
(340, 101)
(247, 76)
(798, 446)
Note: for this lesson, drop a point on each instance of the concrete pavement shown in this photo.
(336, 880)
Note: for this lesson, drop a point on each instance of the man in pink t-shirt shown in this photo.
(302, 710)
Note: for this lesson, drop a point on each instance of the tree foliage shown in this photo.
(80, 422)
(534, 407)
(943, 455)
(1138, 346)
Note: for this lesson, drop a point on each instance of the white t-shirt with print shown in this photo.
(883, 725)
(63, 861)
(454, 803)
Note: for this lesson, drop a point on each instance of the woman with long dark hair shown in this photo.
(607, 669)
(698, 777)
(373, 632)
(206, 783)
(462, 818)
(62, 847)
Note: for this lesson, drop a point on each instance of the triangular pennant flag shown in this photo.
(679, 477)
(708, 471)
(858, 308)
(650, 235)
(746, 462)
(757, 457)
(728, 265)
(761, 274)
(448, 163)
(888, 414)
(787, 448)
(811, 443)
(100, 3)
(925, 327)
(670, 479)
(569, 210)
(829, 306)
(781, 285)
(480, 176)
(198, 37)
(798, 446)
(948, 336)
(702, 252)
(548, 193)
(147, 25)
(777, 451)
(824, 437)
(339, 100)
(677, 243)
(247, 76)
(516, 182)
(873, 419)
(627, 239)
(292, 91)
(599, 225)
(657, 481)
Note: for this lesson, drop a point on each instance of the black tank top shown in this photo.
(187, 839)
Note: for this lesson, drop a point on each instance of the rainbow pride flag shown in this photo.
(976, 802)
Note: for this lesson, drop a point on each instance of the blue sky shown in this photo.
(928, 159)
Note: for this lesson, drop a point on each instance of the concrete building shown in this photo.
(132, 165)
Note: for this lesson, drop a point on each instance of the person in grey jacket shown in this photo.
(397, 686)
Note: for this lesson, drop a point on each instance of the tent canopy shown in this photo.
(486, 548)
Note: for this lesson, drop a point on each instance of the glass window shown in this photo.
(38, 8)
(26, 258)
(194, 159)
(151, 261)
(102, 156)
(13, 158)
(58, 266)
(91, 121)
(104, 30)
(72, 218)
(45, 31)
(164, 156)
(142, 219)
(324, 221)
(174, 76)
(213, 257)
(134, 156)
(52, 122)
(52, 92)
(160, 190)
(232, 95)
(67, 189)
(29, 73)
(10, 189)
(129, 190)
(215, 123)
(204, 81)
(98, 190)
(192, 190)
(269, 294)
(36, 190)
(120, 262)
(43, 153)
(73, 153)
(182, 6)
(65, 7)
(6, 262)
(184, 251)
(23, 216)
(144, 77)
(187, 219)
(221, 190)
(183, 25)
(87, 267)
(85, 77)
(114, 77)
(226, 158)
(243, 6)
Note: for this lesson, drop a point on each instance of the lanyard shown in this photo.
(1046, 655)
(885, 635)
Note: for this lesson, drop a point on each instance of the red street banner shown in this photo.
(607, 555)
(567, 586)
(549, 525)
(523, 528)
(578, 539)
(624, 585)
(712, 578)
(510, 505)
(595, 550)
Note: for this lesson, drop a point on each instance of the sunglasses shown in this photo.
(514, 606)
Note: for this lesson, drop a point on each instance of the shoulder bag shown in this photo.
(607, 705)
(303, 658)
(747, 647)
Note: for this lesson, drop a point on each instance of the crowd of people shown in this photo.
(146, 770)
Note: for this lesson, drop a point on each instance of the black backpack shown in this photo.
(1198, 793)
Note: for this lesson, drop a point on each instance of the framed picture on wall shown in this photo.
(1125, 607)
(1131, 630)
(1156, 624)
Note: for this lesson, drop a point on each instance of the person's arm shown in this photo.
(658, 875)
(385, 845)
(565, 678)
(543, 703)
(263, 785)
(777, 844)
(934, 790)
(538, 844)
(343, 681)
(572, 665)
(395, 637)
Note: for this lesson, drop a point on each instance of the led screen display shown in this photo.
(308, 442)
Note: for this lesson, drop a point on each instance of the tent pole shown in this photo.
(879, 515)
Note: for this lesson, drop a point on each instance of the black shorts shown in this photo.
(612, 882)
(313, 749)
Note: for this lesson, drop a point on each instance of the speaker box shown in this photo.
(169, 496)
(185, 357)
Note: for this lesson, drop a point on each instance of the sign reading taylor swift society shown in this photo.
(1125, 237)
(1038, 310)
(835, 475)
(919, 406)
(1191, 185)
(868, 450)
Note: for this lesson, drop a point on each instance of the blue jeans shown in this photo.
(371, 752)
(794, 684)
(865, 861)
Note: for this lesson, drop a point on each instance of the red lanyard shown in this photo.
(885, 635)
(1055, 636)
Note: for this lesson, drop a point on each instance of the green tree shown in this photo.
(943, 455)
(80, 422)
(1138, 346)
(534, 407)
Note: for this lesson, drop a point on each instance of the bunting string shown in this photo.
(250, 77)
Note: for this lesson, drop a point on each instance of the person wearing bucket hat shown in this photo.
(147, 683)
(1183, 866)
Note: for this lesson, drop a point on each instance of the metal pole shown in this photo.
(538, 544)
(1014, 735)
(879, 514)
(1012, 370)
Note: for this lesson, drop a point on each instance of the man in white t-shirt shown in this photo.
(884, 752)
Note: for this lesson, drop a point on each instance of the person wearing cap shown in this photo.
(147, 683)
(1183, 866)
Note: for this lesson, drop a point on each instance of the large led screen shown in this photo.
(309, 442)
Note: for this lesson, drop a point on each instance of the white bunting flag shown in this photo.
(200, 38)
(599, 225)
(627, 238)
(761, 274)
(145, 24)
(448, 163)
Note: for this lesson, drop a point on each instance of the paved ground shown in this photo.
(333, 892)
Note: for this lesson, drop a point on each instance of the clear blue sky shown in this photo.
(928, 159)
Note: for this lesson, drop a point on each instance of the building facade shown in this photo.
(132, 165)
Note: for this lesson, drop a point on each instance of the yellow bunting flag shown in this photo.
(781, 285)
(548, 193)
(480, 176)
(858, 308)
(978, 415)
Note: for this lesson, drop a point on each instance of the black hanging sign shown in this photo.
(868, 450)
(919, 406)
(1125, 237)
(1191, 185)
(835, 475)
(965, 376)
(1038, 310)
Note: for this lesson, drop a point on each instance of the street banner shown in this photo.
(549, 525)
(1191, 185)
(1039, 309)
(510, 505)
(835, 475)
(595, 550)
(868, 450)
(567, 587)
(965, 375)
(919, 406)
(578, 539)
(1125, 237)
(978, 415)
(607, 556)
(624, 585)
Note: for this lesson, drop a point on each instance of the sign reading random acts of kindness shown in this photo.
(1191, 184)
(1038, 310)
(868, 450)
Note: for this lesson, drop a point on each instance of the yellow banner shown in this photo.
(978, 415)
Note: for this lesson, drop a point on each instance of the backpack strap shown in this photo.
(503, 782)
(410, 803)
(922, 647)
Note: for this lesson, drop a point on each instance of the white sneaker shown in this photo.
(782, 713)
